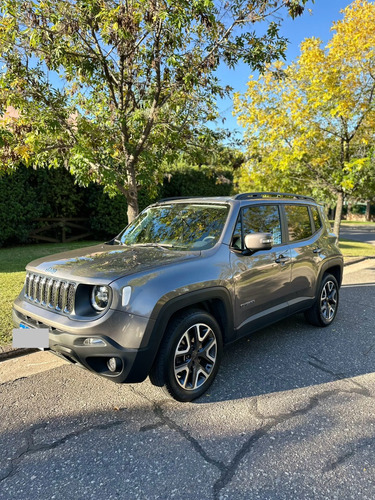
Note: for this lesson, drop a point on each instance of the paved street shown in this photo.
(365, 234)
(290, 416)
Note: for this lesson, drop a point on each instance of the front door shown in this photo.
(262, 280)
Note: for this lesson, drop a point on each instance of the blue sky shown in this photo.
(317, 24)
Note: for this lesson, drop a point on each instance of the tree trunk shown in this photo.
(132, 194)
(368, 211)
(349, 212)
(132, 201)
(130, 191)
(339, 205)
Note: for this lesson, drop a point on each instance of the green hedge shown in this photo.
(361, 209)
(29, 194)
(197, 181)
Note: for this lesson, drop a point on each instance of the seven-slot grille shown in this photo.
(50, 292)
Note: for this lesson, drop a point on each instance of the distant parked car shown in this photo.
(188, 276)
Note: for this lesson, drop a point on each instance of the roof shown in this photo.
(241, 197)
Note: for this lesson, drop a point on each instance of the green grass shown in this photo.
(12, 276)
(354, 223)
(356, 249)
(13, 262)
(14, 259)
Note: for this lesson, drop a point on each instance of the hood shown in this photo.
(107, 262)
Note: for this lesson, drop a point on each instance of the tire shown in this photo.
(189, 357)
(324, 310)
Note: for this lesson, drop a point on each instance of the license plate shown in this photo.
(37, 337)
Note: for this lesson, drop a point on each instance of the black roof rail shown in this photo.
(250, 196)
(177, 198)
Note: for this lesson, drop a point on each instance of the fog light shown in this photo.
(114, 364)
(93, 341)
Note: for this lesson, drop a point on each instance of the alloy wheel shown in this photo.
(195, 356)
(328, 301)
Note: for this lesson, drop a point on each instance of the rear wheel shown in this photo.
(189, 357)
(324, 311)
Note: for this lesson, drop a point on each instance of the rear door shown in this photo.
(304, 231)
(262, 280)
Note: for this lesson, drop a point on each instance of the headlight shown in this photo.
(100, 297)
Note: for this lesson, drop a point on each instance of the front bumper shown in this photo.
(134, 363)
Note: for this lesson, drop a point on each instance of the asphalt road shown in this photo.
(365, 234)
(290, 416)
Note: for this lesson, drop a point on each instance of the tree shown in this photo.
(137, 79)
(207, 174)
(310, 125)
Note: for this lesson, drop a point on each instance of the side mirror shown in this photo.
(258, 241)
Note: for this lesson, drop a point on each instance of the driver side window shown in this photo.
(258, 219)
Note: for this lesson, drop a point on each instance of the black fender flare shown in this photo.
(326, 265)
(155, 333)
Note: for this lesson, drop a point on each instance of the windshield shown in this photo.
(179, 225)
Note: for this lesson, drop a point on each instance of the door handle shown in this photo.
(281, 259)
(318, 250)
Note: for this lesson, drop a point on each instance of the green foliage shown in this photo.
(203, 172)
(107, 216)
(197, 181)
(139, 80)
(310, 125)
(19, 206)
(361, 209)
(28, 194)
(58, 193)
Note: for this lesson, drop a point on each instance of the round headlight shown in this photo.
(100, 297)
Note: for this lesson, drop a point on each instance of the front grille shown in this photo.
(50, 293)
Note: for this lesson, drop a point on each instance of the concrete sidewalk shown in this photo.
(23, 366)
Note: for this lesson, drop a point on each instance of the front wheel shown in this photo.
(189, 357)
(324, 310)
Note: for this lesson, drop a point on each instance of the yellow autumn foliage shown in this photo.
(314, 127)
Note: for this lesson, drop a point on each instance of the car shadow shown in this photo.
(292, 354)
(87, 433)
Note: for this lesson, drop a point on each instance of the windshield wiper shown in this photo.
(159, 245)
(152, 244)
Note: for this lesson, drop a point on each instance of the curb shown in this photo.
(357, 260)
(8, 352)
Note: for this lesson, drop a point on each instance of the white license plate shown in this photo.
(37, 338)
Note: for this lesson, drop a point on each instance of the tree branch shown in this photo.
(364, 114)
(155, 104)
(109, 76)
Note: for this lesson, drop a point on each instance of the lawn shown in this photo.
(13, 262)
(12, 276)
(354, 223)
(356, 249)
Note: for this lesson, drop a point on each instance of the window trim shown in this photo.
(312, 219)
(312, 225)
(240, 216)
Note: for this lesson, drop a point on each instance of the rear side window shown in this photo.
(299, 224)
(316, 218)
(262, 219)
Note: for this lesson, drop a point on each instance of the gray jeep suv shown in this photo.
(188, 276)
